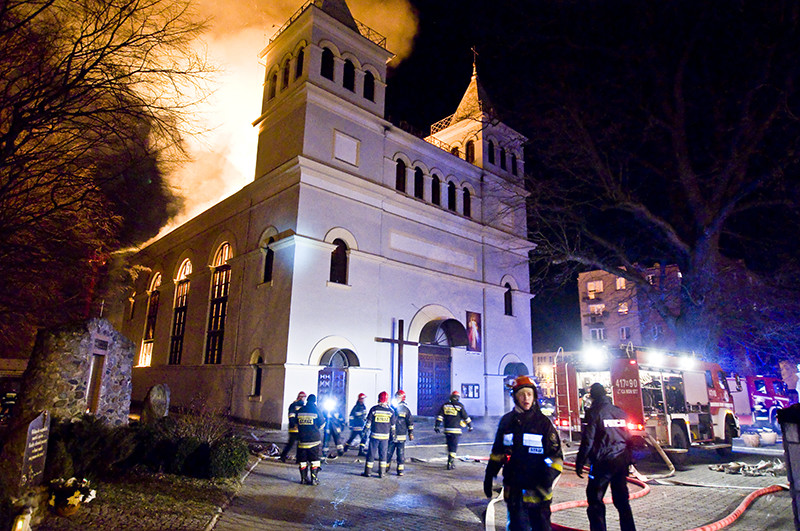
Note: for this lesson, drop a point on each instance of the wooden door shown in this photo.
(434, 379)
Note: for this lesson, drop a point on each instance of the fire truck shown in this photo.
(673, 401)
(757, 399)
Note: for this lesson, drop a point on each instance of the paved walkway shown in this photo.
(430, 497)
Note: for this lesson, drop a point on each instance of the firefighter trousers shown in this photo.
(599, 480)
(378, 448)
(524, 516)
(398, 448)
(288, 447)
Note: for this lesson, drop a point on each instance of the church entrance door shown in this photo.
(434, 379)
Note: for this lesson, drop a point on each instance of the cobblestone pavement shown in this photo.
(430, 497)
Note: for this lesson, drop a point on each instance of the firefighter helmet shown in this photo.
(301, 394)
(401, 395)
(523, 381)
(312, 399)
(383, 397)
(455, 396)
(361, 396)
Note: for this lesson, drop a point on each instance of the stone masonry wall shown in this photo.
(57, 377)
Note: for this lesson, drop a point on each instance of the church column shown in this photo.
(409, 180)
(460, 200)
(359, 84)
(338, 70)
(380, 94)
(427, 188)
(313, 60)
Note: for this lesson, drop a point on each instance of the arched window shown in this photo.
(369, 86)
(470, 155)
(257, 374)
(179, 312)
(273, 85)
(339, 262)
(349, 79)
(507, 300)
(490, 149)
(419, 183)
(287, 68)
(269, 259)
(514, 163)
(436, 190)
(220, 286)
(298, 67)
(503, 158)
(454, 151)
(146, 354)
(467, 203)
(400, 176)
(326, 69)
(451, 195)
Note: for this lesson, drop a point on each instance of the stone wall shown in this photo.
(60, 376)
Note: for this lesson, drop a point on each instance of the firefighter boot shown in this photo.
(304, 475)
(346, 447)
(450, 463)
(314, 475)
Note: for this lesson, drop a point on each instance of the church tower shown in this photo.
(320, 64)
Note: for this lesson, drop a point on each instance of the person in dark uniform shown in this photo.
(334, 424)
(309, 441)
(528, 449)
(453, 415)
(380, 424)
(358, 416)
(404, 430)
(605, 443)
(293, 408)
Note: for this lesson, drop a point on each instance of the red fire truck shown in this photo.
(756, 400)
(672, 401)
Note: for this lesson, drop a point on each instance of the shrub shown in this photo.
(183, 450)
(58, 463)
(228, 458)
(196, 464)
(202, 421)
(94, 447)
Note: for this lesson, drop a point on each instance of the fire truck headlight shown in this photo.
(329, 404)
(656, 358)
(687, 363)
(594, 356)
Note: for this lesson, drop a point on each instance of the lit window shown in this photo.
(349, 78)
(369, 86)
(467, 203)
(657, 331)
(179, 312)
(298, 69)
(220, 286)
(594, 287)
(436, 190)
(419, 183)
(623, 308)
(620, 283)
(624, 333)
(597, 309)
(598, 334)
(400, 176)
(326, 66)
(339, 262)
(146, 354)
(651, 279)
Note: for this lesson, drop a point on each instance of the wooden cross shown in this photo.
(399, 342)
(474, 57)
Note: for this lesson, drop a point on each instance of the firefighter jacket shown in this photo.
(309, 422)
(528, 449)
(404, 422)
(605, 440)
(358, 416)
(454, 417)
(380, 422)
(293, 408)
(335, 422)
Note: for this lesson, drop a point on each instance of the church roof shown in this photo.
(474, 102)
(338, 9)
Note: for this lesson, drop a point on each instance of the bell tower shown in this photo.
(321, 64)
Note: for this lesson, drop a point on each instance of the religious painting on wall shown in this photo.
(474, 332)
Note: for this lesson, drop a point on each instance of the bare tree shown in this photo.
(94, 97)
(668, 132)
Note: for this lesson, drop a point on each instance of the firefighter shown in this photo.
(528, 449)
(358, 415)
(380, 424)
(404, 429)
(293, 408)
(605, 444)
(334, 424)
(453, 415)
(309, 443)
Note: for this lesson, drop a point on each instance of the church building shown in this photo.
(360, 259)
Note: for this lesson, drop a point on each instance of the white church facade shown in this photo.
(353, 232)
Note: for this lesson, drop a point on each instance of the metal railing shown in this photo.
(363, 29)
(444, 123)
